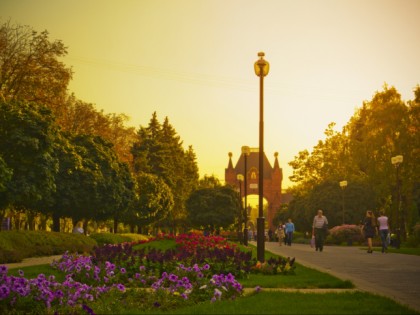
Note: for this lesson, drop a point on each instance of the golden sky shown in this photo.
(192, 60)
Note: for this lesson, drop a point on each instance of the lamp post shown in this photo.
(343, 185)
(246, 151)
(396, 161)
(240, 179)
(261, 68)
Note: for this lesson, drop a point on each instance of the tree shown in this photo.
(78, 118)
(209, 182)
(111, 188)
(29, 66)
(27, 137)
(91, 182)
(155, 200)
(213, 207)
(158, 150)
(361, 154)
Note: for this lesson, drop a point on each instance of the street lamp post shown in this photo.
(343, 185)
(246, 151)
(396, 161)
(261, 68)
(240, 179)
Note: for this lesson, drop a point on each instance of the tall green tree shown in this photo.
(159, 151)
(27, 137)
(155, 200)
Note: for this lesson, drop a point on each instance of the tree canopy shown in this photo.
(213, 208)
(158, 150)
(361, 154)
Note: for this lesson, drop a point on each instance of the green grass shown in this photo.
(294, 303)
(304, 278)
(33, 272)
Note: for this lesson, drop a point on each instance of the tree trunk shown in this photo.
(56, 222)
(115, 226)
(43, 223)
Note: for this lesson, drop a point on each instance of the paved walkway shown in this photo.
(396, 276)
(33, 261)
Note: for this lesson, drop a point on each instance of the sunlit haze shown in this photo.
(192, 61)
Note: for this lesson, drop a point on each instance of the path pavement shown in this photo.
(396, 276)
(33, 261)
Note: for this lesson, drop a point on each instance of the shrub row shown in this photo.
(17, 245)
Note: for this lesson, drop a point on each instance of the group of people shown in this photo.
(371, 226)
(285, 232)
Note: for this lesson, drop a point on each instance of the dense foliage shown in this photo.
(361, 154)
(62, 158)
(213, 208)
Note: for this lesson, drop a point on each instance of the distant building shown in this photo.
(273, 177)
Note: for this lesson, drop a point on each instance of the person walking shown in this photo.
(280, 233)
(289, 229)
(383, 230)
(369, 229)
(319, 230)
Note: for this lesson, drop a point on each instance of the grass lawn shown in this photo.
(294, 303)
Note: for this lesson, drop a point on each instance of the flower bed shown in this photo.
(201, 268)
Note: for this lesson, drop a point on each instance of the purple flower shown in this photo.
(3, 269)
(123, 271)
(121, 287)
(4, 291)
(257, 288)
(88, 309)
(21, 273)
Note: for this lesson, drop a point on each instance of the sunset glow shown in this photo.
(192, 61)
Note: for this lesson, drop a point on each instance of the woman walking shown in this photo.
(369, 229)
(383, 230)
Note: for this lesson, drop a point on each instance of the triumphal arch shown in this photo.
(273, 177)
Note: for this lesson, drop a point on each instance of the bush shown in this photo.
(17, 245)
(414, 239)
(345, 234)
(109, 238)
